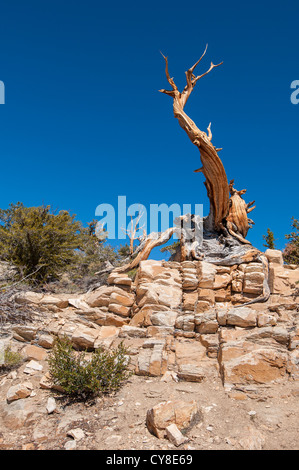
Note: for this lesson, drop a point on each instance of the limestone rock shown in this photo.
(51, 405)
(166, 318)
(274, 256)
(46, 341)
(24, 332)
(175, 436)
(132, 331)
(206, 322)
(253, 280)
(84, 337)
(119, 309)
(208, 272)
(241, 316)
(34, 352)
(183, 414)
(33, 368)
(191, 373)
(19, 391)
(119, 279)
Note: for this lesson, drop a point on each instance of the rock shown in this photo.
(132, 331)
(253, 282)
(206, 322)
(185, 322)
(167, 318)
(223, 295)
(208, 273)
(207, 295)
(264, 319)
(183, 414)
(124, 299)
(156, 293)
(149, 269)
(159, 331)
(222, 280)
(34, 352)
(16, 392)
(152, 361)
(106, 337)
(253, 439)
(18, 413)
(189, 300)
(175, 436)
(119, 279)
(247, 363)
(191, 373)
(33, 367)
(274, 256)
(191, 360)
(202, 306)
(241, 316)
(211, 343)
(169, 376)
(70, 445)
(24, 332)
(43, 299)
(47, 384)
(46, 341)
(78, 303)
(84, 337)
(99, 297)
(282, 281)
(51, 405)
(76, 434)
(119, 309)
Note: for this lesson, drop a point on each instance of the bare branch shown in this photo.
(212, 66)
(169, 79)
(210, 135)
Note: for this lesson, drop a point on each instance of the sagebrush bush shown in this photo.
(10, 359)
(80, 377)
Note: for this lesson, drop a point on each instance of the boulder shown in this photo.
(182, 414)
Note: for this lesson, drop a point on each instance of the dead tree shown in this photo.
(134, 229)
(226, 213)
(226, 226)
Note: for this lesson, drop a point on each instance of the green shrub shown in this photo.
(81, 377)
(291, 251)
(10, 359)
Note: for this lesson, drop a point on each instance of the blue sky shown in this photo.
(84, 122)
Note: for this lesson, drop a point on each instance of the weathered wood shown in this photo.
(228, 211)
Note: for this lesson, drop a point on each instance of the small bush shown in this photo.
(10, 359)
(79, 377)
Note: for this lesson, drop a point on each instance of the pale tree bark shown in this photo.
(226, 213)
(227, 224)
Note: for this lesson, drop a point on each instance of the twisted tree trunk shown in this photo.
(227, 224)
(226, 214)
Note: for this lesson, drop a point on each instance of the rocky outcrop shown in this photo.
(184, 318)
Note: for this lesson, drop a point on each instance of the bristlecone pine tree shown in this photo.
(228, 219)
